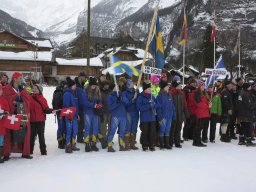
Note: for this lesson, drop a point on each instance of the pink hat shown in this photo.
(154, 79)
(16, 75)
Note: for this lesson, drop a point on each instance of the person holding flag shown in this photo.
(39, 109)
(70, 100)
(4, 109)
(19, 102)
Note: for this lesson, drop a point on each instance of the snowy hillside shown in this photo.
(218, 167)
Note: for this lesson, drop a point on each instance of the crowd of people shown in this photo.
(162, 109)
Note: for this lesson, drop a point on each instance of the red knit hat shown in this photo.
(16, 75)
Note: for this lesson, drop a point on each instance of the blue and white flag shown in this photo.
(220, 65)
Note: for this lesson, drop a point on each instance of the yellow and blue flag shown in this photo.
(156, 45)
(120, 67)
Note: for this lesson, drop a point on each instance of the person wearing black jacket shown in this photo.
(57, 104)
(227, 110)
(246, 106)
(80, 83)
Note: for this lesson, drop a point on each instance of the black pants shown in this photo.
(148, 134)
(213, 124)
(189, 127)
(246, 129)
(175, 133)
(80, 134)
(200, 125)
(37, 129)
(231, 126)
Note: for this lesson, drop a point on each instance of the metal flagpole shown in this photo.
(239, 53)
(184, 51)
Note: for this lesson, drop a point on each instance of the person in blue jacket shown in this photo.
(116, 104)
(132, 119)
(166, 114)
(92, 104)
(146, 104)
(70, 100)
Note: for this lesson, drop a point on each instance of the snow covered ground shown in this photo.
(219, 167)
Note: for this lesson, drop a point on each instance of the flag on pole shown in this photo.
(237, 43)
(120, 67)
(156, 45)
(220, 65)
(12, 122)
(184, 34)
(68, 112)
(214, 32)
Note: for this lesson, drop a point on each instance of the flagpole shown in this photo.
(148, 42)
(184, 51)
(239, 53)
(214, 44)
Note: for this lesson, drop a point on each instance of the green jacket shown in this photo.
(155, 90)
(216, 105)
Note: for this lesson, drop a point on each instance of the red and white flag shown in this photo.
(68, 112)
(12, 122)
(214, 32)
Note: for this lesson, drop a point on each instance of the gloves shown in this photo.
(1, 117)
(98, 106)
(48, 111)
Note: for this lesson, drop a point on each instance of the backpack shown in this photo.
(57, 101)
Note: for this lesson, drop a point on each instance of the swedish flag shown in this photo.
(156, 45)
(120, 67)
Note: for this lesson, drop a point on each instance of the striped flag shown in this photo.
(184, 34)
(214, 32)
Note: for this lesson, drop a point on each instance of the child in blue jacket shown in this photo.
(132, 119)
(116, 104)
(92, 102)
(70, 100)
(146, 104)
(166, 114)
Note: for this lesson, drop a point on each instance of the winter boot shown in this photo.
(26, 157)
(1, 155)
(199, 144)
(74, 148)
(133, 142)
(87, 147)
(161, 141)
(122, 145)
(249, 142)
(225, 138)
(110, 148)
(103, 142)
(152, 148)
(144, 148)
(127, 142)
(241, 140)
(68, 148)
(61, 144)
(167, 142)
(94, 147)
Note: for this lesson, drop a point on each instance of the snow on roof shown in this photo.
(110, 70)
(26, 55)
(140, 52)
(95, 62)
(45, 43)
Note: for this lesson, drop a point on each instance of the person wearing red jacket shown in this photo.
(202, 115)
(38, 110)
(190, 123)
(4, 108)
(15, 93)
